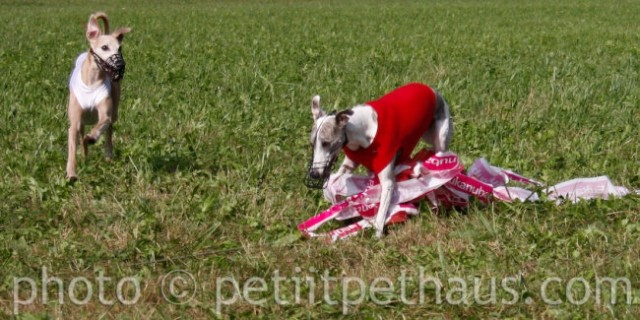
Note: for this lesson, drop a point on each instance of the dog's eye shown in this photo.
(105, 48)
(325, 144)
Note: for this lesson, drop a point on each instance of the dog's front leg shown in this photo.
(347, 166)
(75, 131)
(387, 185)
(104, 121)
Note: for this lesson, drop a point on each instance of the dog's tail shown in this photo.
(105, 21)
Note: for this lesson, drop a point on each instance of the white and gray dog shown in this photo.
(378, 135)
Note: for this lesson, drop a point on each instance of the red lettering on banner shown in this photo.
(472, 187)
(447, 162)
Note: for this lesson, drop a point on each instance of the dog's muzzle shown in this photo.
(313, 180)
(114, 66)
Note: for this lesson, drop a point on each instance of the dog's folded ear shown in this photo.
(316, 111)
(119, 34)
(343, 117)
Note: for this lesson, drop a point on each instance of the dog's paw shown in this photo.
(89, 140)
(379, 230)
(72, 178)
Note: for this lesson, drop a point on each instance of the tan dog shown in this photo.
(95, 89)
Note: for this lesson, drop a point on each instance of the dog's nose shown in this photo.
(120, 64)
(118, 60)
(315, 174)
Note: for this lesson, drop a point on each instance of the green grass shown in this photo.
(212, 145)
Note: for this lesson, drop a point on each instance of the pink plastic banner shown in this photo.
(440, 180)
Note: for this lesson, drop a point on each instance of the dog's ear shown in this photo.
(93, 28)
(119, 34)
(316, 111)
(343, 117)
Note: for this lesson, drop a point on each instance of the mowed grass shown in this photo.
(212, 146)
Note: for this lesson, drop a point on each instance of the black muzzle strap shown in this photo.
(114, 66)
(313, 181)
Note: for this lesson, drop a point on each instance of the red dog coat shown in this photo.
(404, 115)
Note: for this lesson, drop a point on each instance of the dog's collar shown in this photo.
(346, 139)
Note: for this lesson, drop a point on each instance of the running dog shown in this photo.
(378, 135)
(94, 89)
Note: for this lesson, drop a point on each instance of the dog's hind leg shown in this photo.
(441, 130)
(108, 143)
(108, 137)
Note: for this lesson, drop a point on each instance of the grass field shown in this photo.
(212, 146)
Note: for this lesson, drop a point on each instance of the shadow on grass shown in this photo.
(170, 163)
(180, 160)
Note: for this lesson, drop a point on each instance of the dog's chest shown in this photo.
(87, 96)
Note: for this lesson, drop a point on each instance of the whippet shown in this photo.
(94, 89)
(378, 135)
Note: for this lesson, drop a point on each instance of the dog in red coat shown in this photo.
(378, 135)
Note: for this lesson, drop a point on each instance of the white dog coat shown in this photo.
(88, 97)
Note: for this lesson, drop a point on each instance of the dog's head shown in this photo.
(328, 136)
(106, 47)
